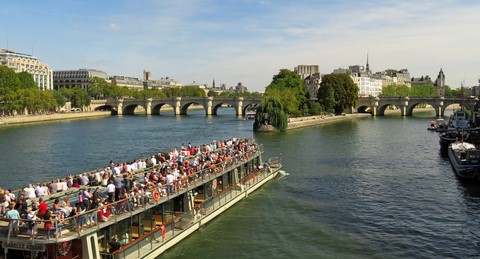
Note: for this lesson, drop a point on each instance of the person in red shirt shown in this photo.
(42, 208)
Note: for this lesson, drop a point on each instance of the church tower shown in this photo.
(367, 67)
(440, 84)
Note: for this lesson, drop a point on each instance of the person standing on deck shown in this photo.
(118, 187)
(42, 208)
(13, 215)
(110, 190)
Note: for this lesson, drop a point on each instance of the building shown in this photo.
(368, 85)
(19, 62)
(440, 84)
(311, 77)
(394, 77)
(128, 82)
(161, 83)
(74, 78)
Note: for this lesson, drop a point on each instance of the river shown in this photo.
(363, 188)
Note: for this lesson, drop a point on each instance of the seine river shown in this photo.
(364, 188)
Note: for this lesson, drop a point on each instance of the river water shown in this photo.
(362, 188)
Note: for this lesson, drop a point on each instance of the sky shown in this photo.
(247, 41)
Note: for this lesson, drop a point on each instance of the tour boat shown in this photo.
(155, 218)
(465, 159)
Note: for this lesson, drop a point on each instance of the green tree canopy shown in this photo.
(343, 89)
(288, 87)
(271, 111)
(26, 80)
(9, 79)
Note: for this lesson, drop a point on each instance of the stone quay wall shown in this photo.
(26, 119)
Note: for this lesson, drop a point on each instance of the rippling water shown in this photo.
(373, 187)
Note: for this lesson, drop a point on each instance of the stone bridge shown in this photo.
(377, 105)
(178, 104)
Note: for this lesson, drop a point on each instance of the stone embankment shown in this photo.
(25, 119)
(295, 123)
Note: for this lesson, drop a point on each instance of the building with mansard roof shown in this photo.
(19, 62)
(74, 78)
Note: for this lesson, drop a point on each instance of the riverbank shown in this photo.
(295, 123)
(29, 119)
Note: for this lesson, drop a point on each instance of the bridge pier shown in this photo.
(239, 107)
(209, 106)
(178, 106)
(120, 107)
(148, 106)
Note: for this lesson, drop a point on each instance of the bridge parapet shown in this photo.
(378, 105)
(179, 104)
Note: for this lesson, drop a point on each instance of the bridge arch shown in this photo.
(185, 106)
(130, 109)
(156, 109)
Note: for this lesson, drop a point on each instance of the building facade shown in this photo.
(128, 82)
(19, 62)
(311, 77)
(74, 78)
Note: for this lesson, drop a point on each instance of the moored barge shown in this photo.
(156, 216)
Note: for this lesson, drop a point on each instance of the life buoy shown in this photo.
(156, 195)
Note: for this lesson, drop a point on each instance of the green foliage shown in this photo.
(396, 90)
(26, 80)
(288, 88)
(212, 93)
(9, 79)
(271, 111)
(448, 91)
(337, 93)
(187, 91)
(422, 90)
(79, 97)
(314, 108)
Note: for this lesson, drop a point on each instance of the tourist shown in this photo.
(53, 187)
(31, 192)
(59, 224)
(81, 218)
(13, 215)
(47, 217)
(110, 190)
(118, 182)
(32, 223)
(65, 206)
(3, 202)
(114, 244)
(42, 208)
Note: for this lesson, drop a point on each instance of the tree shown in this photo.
(98, 87)
(396, 90)
(448, 91)
(80, 97)
(288, 87)
(422, 90)
(343, 89)
(26, 80)
(271, 111)
(8, 78)
(212, 93)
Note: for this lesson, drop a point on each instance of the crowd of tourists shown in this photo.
(116, 189)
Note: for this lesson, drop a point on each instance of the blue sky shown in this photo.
(246, 41)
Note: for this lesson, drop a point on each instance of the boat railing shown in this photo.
(181, 221)
(138, 202)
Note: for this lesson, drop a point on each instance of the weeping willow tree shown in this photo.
(271, 112)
